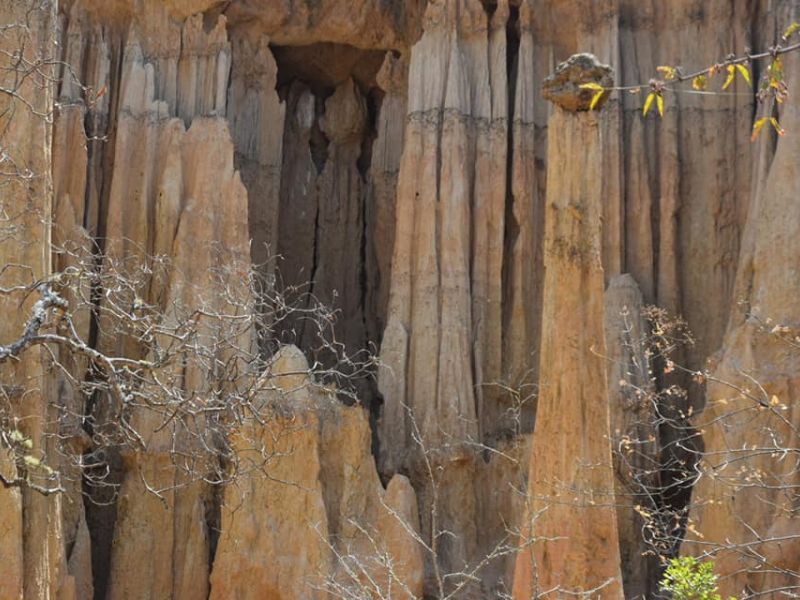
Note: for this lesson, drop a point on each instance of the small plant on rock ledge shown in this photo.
(687, 578)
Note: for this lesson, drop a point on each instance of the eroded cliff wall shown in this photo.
(397, 161)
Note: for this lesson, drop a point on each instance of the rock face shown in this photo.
(330, 527)
(399, 162)
(177, 565)
(748, 498)
(34, 558)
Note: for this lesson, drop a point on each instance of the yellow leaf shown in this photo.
(774, 401)
(745, 73)
(596, 99)
(693, 530)
(592, 86)
(729, 78)
(757, 126)
(670, 73)
(660, 103)
(778, 129)
(648, 103)
(31, 461)
(790, 30)
(699, 82)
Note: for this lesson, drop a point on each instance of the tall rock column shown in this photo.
(523, 251)
(379, 207)
(173, 191)
(571, 544)
(31, 539)
(256, 117)
(166, 535)
(442, 339)
(634, 434)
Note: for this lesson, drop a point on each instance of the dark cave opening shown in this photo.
(319, 70)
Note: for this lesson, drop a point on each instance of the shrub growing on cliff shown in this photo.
(687, 578)
(724, 433)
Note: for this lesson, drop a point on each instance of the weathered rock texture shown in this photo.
(570, 85)
(177, 565)
(572, 544)
(330, 525)
(745, 497)
(398, 161)
(633, 429)
(34, 558)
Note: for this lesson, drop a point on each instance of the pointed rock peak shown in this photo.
(625, 281)
(563, 87)
(393, 74)
(345, 114)
(199, 40)
(288, 371)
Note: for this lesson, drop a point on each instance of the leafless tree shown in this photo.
(764, 464)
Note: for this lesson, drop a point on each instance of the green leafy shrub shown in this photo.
(689, 579)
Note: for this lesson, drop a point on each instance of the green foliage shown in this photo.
(689, 579)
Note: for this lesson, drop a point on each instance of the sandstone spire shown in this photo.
(572, 540)
(31, 544)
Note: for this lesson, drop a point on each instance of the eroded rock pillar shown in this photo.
(32, 553)
(634, 434)
(443, 340)
(571, 540)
